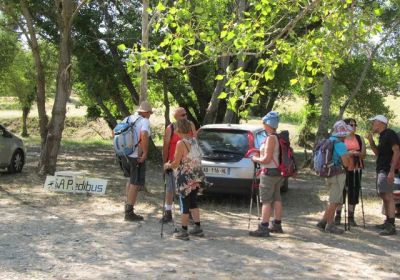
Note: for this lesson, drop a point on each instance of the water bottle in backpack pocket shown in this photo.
(324, 165)
(125, 139)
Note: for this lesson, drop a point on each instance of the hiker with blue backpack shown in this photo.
(270, 179)
(333, 172)
(387, 152)
(131, 144)
(356, 146)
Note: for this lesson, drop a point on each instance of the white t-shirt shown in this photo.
(141, 125)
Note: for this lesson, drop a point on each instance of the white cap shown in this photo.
(380, 118)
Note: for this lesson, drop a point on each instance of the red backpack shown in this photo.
(287, 163)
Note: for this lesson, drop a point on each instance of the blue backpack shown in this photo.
(323, 159)
(125, 141)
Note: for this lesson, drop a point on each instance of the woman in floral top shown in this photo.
(187, 166)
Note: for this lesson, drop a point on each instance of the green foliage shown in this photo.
(381, 80)
(311, 38)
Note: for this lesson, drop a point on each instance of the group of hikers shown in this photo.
(183, 174)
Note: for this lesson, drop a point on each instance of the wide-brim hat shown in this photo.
(341, 129)
(145, 107)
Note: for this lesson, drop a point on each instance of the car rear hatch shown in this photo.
(224, 145)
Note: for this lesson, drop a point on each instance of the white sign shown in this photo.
(75, 184)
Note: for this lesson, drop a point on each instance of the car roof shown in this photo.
(244, 127)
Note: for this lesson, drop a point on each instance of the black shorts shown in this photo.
(353, 184)
(133, 170)
(188, 202)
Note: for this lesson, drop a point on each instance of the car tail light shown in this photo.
(252, 150)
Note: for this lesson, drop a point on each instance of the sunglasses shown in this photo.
(353, 125)
(183, 115)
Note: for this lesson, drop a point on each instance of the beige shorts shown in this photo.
(270, 188)
(335, 186)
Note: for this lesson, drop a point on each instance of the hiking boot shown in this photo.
(182, 234)
(352, 222)
(321, 225)
(276, 228)
(389, 230)
(338, 220)
(262, 231)
(333, 229)
(133, 217)
(167, 217)
(197, 231)
(381, 226)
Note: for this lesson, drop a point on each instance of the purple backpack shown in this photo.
(323, 159)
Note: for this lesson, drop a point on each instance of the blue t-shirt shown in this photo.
(339, 149)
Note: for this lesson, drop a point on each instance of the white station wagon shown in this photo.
(12, 151)
(226, 162)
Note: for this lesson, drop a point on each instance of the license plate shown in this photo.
(216, 170)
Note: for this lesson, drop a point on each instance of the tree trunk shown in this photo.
(166, 101)
(212, 109)
(25, 113)
(144, 47)
(116, 97)
(63, 89)
(124, 75)
(305, 134)
(271, 101)
(325, 110)
(114, 52)
(111, 121)
(40, 75)
(230, 115)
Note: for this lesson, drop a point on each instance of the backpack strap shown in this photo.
(280, 152)
(358, 137)
(360, 144)
(187, 148)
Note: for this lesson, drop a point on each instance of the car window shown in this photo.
(218, 140)
(260, 137)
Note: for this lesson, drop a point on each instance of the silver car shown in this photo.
(12, 151)
(226, 159)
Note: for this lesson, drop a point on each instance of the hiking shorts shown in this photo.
(170, 181)
(382, 185)
(188, 202)
(270, 188)
(335, 186)
(137, 172)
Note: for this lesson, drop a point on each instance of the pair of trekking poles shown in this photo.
(356, 172)
(254, 192)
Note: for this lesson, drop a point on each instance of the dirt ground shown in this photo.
(47, 235)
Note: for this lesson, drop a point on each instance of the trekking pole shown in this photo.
(163, 209)
(257, 196)
(345, 201)
(361, 196)
(253, 185)
(174, 215)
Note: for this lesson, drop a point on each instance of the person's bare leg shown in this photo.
(195, 214)
(185, 220)
(266, 212)
(132, 194)
(278, 210)
(330, 213)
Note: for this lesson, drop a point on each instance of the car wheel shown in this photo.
(285, 185)
(17, 162)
